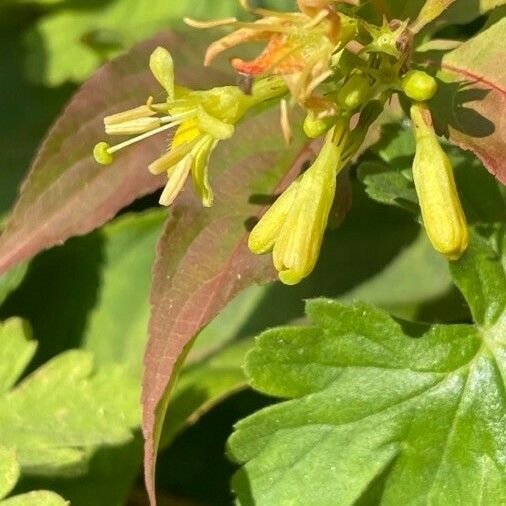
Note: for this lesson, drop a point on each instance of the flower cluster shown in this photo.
(341, 71)
(200, 119)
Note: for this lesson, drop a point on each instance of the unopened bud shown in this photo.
(354, 92)
(419, 85)
(443, 217)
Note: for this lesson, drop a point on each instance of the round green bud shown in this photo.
(101, 153)
(314, 127)
(419, 86)
(354, 93)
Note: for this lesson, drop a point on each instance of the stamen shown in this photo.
(317, 19)
(262, 26)
(133, 127)
(139, 138)
(317, 81)
(194, 23)
(142, 111)
(178, 117)
(285, 122)
(172, 157)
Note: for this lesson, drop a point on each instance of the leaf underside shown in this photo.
(209, 263)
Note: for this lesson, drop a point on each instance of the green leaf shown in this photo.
(415, 276)
(116, 328)
(464, 12)
(16, 351)
(430, 11)
(389, 185)
(9, 471)
(39, 498)
(422, 405)
(11, 280)
(204, 384)
(9, 475)
(481, 276)
(91, 36)
(58, 415)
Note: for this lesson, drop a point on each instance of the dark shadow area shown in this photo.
(27, 109)
(462, 31)
(263, 200)
(374, 492)
(451, 110)
(414, 330)
(449, 308)
(194, 467)
(59, 290)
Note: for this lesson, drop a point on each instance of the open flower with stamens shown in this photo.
(294, 225)
(299, 47)
(200, 119)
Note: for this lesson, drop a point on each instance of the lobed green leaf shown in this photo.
(58, 415)
(419, 407)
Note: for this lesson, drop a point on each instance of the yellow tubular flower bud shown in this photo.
(263, 236)
(443, 217)
(297, 246)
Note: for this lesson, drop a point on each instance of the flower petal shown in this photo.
(176, 181)
(213, 126)
(200, 170)
(162, 67)
(263, 236)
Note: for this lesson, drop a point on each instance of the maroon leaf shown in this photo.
(470, 104)
(66, 193)
(203, 260)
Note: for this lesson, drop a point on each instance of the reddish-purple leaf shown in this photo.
(66, 192)
(203, 259)
(469, 107)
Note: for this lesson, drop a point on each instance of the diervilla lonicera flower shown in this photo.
(341, 71)
(200, 118)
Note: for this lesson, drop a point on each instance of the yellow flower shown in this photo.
(294, 225)
(200, 119)
(443, 217)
